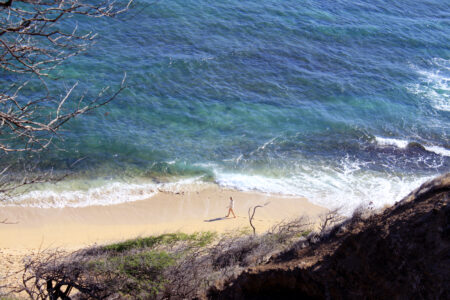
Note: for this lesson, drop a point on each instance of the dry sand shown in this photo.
(39, 229)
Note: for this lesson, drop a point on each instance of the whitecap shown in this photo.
(402, 144)
(438, 150)
(391, 142)
(435, 84)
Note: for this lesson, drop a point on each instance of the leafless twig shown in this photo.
(330, 219)
(252, 215)
(34, 41)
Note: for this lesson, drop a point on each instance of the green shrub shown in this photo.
(141, 272)
(148, 264)
(198, 238)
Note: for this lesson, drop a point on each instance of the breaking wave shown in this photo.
(403, 144)
(346, 187)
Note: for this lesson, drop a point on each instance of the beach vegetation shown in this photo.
(198, 238)
(142, 272)
(304, 233)
(171, 265)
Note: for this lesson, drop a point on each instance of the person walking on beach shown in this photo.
(230, 208)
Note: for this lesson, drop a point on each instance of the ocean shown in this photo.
(342, 102)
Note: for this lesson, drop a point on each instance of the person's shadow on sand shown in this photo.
(217, 219)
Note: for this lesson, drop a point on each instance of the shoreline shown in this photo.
(69, 229)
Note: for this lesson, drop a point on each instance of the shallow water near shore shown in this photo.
(342, 103)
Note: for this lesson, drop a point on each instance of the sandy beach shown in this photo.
(38, 229)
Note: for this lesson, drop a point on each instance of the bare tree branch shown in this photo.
(251, 216)
(34, 40)
(330, 219)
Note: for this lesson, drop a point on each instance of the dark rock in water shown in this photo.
(415, 145)
(401, 253)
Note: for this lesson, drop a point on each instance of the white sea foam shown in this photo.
(346, 188)
(107, 194)
(404, 143)
(391, 142)
(184, 185)
(438, 150)
(435, 85)
(263, 146)
(113, 193)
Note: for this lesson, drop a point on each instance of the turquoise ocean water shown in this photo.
(343, 102)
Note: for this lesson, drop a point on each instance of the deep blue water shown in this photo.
(344, 102)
